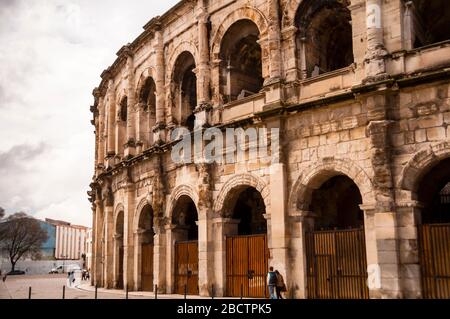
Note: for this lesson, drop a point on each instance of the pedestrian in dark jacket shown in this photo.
(281, 286)
(272, 282)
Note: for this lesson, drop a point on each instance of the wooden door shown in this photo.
(147, 267)
(186, 268)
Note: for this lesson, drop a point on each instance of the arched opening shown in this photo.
(147, 113)
(249, 210)
(324, 39)
(430, 21)
(241, 61)
(146, 234)
(185, 94)
(336, 205)
(335, 246)
(247, 255)
(434, 232)
(122, 125)
(185, 234)
(119, 251)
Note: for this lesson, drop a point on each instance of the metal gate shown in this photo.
(336, 265)
(147, 267)
(186, 267)
(247, 266)
(434, 244)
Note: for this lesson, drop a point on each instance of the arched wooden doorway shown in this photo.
(146, 240)
(119, 251)
(434, 231)
(335, 247)
(247, 254)
(185, 219)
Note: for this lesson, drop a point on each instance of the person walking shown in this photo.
(281, 286)
(272, 282)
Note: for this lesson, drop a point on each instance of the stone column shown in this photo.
(128, 251)
(274, 41)
(109, 242)
(101, 133)
(98, 243)
(138, 259)
(203, 68)
(278, 199)
(408, 25)
(289, 53)
(409, 217)
(170, 258)
(111, 124)
(130, 146)
(159, 129)
(159, 258)
(94, 245)
(375, 68)
(117, 243)
(204, 277)
(380, 217)
(221, 227)
(300, 222)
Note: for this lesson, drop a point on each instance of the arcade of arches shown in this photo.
(355, 201)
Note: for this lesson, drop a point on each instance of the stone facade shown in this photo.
(382, 121)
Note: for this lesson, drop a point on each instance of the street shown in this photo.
(51, 287)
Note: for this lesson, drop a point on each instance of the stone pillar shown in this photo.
(170, 257)
(278, 199)
(109, 242)
(159, 129)
(289, 53)
(274, 41)
(375, 68)
(111, 123)
(159, 258)
(380, 216)
(98, 243)
(408, 25)
(130, 146)
(117, 243)
(221, 227)
(204, 277)
(138, 259)
(300, 222)
(203, 68)
(409, 217)
(101, 133)
(128, 251)
(94, 245)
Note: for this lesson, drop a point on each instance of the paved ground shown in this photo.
(51, 287)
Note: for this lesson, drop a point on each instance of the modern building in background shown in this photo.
(49, 247)
(70, 240)
(88, 249)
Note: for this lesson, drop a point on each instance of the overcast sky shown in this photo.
(52, 53)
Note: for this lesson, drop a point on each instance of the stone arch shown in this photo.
(249, 13)
(120, 95)
(149, 72)
(421, 163)
(140, 207)
(119, 208)
(181, 190)
(316, 174)
(185, 46)
(241, 180)
(288, 13)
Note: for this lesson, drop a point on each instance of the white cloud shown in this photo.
(52, 55)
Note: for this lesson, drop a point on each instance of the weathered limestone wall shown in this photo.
(382, 122)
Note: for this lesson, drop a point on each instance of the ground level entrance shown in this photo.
(247, 266)
(186, 268)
